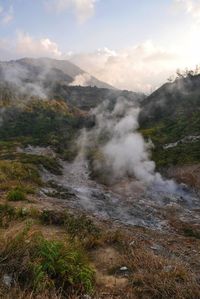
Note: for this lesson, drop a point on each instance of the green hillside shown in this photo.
(172, 114)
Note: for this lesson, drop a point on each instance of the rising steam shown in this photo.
(122, 151)
(81, 80)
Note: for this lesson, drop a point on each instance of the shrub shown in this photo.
(40, 264)
(16, 195)
(80, 226)
(48, 217)
(76, 226)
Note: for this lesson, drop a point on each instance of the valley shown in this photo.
(99, 189)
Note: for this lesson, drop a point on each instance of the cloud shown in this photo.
(83, 9)
(191, 7)
(141, 68)
(6, 15)
(33, 47)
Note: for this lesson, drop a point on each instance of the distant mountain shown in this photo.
(47, 71)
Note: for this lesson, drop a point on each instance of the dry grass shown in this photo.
(151, 275)
(156, 277)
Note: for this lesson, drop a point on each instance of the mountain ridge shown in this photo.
(67, 70)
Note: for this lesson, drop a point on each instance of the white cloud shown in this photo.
(141, 68)
(83, 9)
(191, 7)
(32, 47)
(6, 16)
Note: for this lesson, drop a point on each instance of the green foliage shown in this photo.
(170, 131)
(46, 264)
(41, 123)
(16, 194)
(181, 154)
(80, 226)
(57, 263)
(170, 114)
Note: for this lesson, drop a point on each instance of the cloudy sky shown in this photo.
(130, 44)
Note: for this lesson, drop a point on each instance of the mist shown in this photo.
(17, 75)
(122, 149)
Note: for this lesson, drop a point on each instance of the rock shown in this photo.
(132, 243)
(156, 247)
(123, 269)
(7, 280)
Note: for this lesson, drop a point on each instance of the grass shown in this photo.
(16, 194)
(170, 114)
(157, 277)
(58, 265)
(80, 228)
(39, 264)
(187, 229)
(14, 173)
(7, 213)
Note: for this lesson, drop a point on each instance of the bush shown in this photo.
(76, 226)
(39, 264)
(16, 195)
(80, 226)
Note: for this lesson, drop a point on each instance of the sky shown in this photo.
(134, 45)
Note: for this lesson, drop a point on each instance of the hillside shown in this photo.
(64, 231)
(45, 72)
(171, 118)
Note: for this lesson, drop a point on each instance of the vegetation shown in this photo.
(75, 225)
(14, 173)
(16, 194)
(55, 253)
(155, 277)
(7, 213)
(171, 114)
(41, 123)
(38, 264)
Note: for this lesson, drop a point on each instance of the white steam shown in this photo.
(81, 80)
(26, 81)
(125, 152)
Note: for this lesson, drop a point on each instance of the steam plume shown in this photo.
(124, 151)
(82, 80)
